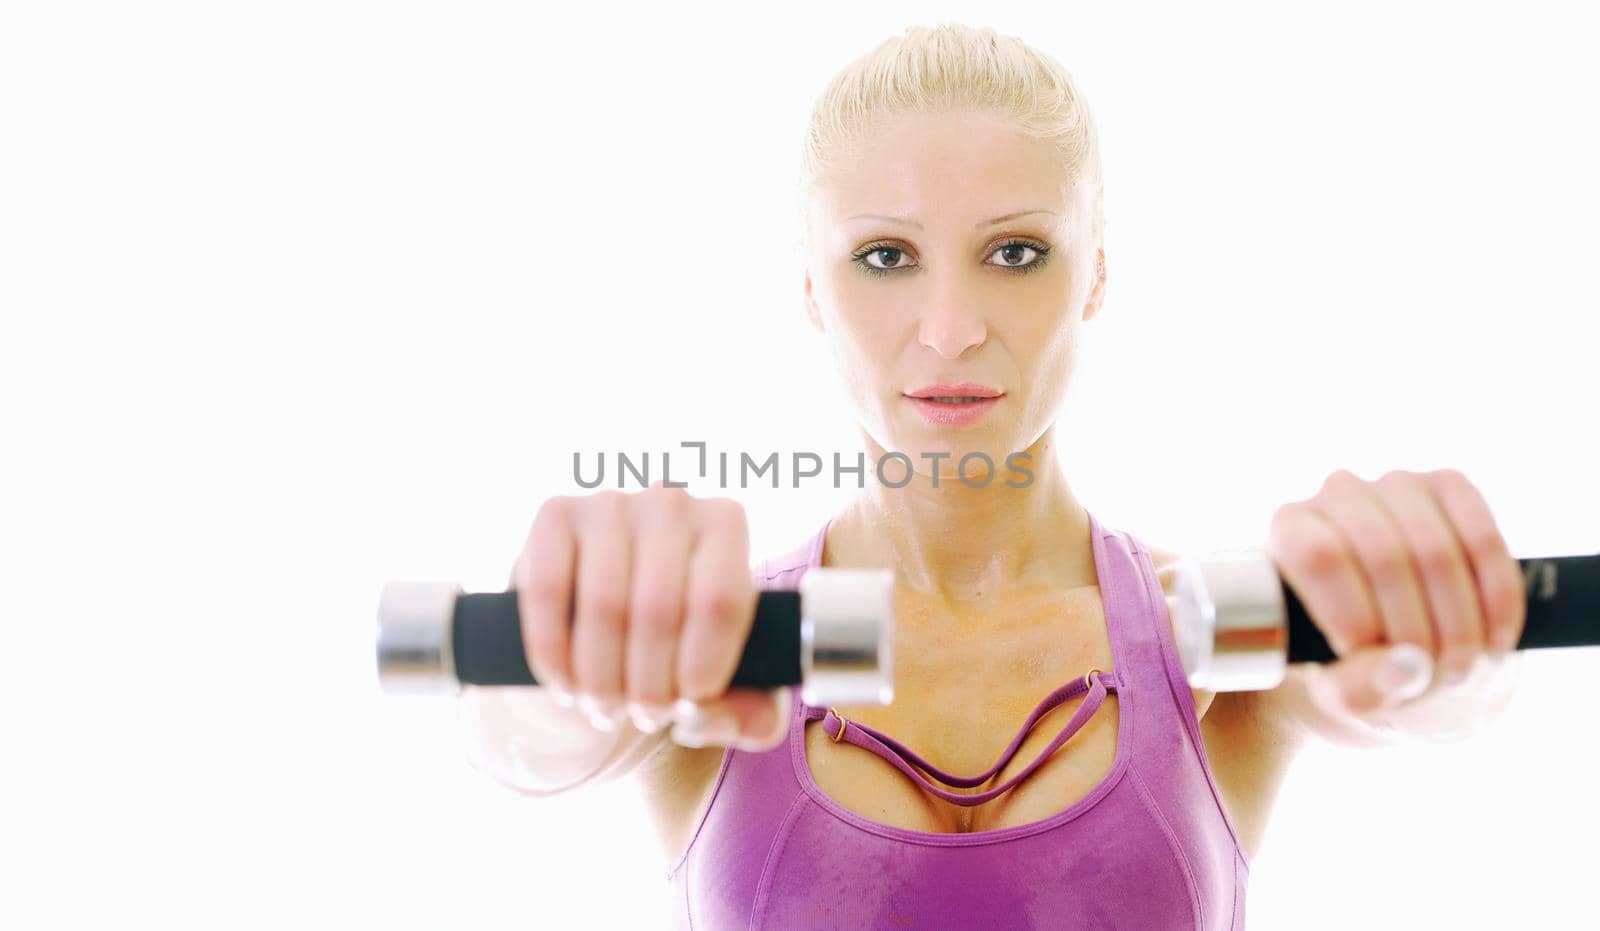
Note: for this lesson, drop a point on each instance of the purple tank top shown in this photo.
(1149, 847)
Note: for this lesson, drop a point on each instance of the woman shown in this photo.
(1044, 763)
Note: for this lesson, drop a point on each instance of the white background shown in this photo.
(302, 297)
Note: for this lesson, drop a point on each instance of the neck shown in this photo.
(965, 544)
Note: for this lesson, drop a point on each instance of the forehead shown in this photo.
(957, 168)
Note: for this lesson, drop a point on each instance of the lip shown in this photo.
(943, 413)
(965, 389)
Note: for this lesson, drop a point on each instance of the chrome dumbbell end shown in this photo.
(1230, 620)
(415, 633)
(847, 637)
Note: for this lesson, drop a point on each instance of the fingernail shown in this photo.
(648, 717)
(686, 723)
(560, 696)
(685, 710)
(704, 727)
(1405, 671)
(603, 713)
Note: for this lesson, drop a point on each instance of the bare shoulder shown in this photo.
(1250, 738)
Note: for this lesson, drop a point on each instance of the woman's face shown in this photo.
(944, 295)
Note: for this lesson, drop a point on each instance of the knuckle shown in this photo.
(723, 512)
(604, 605)
(1485, 540)
(654, 612)
(718, 605)
(603, 514)
(544, 588)
(551, 509)
(1320, 556)
(1342, 480)
(604, 501)
(661, 491)
(545, 647)
(1508, 614)
(1280, 527)
(1510, 599)
(1436, 561)
(663, 504)
(1397, 480)
(1517, 584)
(1390, 562)
(1307, 543)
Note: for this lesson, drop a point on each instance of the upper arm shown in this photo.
(1250, 746)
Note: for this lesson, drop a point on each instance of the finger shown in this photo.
(604, 566)
(1317, 564)
(1381, 550)
(542, 578)
(1502, 591)
(655, 615)
(720, 604)
(1370, 679)
(747, 719)
(1446, 575)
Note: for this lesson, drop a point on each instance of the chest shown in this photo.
(961, 699)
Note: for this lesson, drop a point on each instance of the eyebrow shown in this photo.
(917, 226)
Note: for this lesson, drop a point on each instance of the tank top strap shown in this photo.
(1095, 683)
(1143, 639)
(1121, 593)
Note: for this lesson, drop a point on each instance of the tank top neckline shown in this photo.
(1113, 608)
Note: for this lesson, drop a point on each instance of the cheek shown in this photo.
(862, 360)
(860, 349)
(1051, 373)
(863, 331)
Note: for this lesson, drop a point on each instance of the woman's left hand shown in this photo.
(1410, 568)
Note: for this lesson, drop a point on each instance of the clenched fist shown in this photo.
(640, 605)
(1406, 577)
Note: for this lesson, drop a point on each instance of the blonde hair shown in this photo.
(931, 69)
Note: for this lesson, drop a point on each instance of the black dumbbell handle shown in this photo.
(1563, 609)
(486, 638)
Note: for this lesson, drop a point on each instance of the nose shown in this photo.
(952, 326)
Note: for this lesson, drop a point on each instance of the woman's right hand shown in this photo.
(639, 605)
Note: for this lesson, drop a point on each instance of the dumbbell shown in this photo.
(1237, 626)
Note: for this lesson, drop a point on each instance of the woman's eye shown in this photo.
(895, 255)
(1014, 254)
